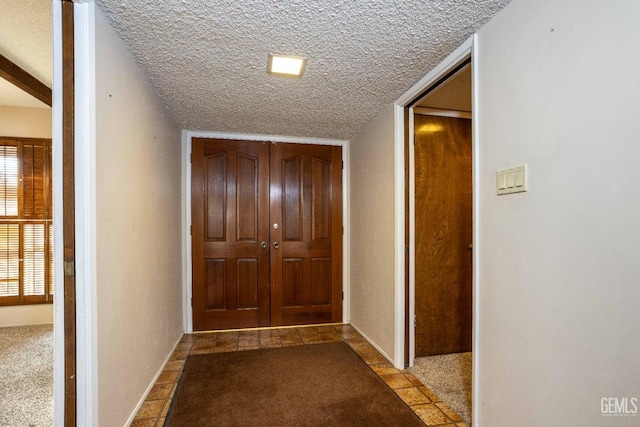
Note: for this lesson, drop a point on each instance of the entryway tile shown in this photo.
(396, 381)
(150, 409)
(419, 398)
(290, 337)
(310, 335)
(448, 412)
(412, 396)
(430, 414)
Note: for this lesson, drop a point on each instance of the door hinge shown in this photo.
(343, 296)
(191, 158)
(69, 269)
(191, 302)
(343, 230)
(415, 321)
(191, 229)
(343, 164)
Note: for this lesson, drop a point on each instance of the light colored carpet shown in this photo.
(26, 376)
(449, 377)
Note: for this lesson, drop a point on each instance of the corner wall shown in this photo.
(559, 276)
(138, 229)
(372, 216)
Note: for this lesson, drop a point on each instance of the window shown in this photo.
(26, 226)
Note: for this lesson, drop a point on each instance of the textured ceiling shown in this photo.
(25, 39)
(207, 59)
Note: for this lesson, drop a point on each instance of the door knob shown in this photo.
(276, 245)
(264, 245)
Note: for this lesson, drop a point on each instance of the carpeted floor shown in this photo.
(26, 376)
(449, 377)
(322, 384)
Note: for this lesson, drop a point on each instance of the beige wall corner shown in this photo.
(372, 216)
(138, 229)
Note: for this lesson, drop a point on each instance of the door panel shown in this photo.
(321, 280)
(443, 234)
(292, 198)
(306, 203)
(230, 207)
(216, 196)
(239, 190)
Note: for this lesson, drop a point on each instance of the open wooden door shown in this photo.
(266, 234)
(443, 227)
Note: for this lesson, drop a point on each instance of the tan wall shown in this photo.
(138, 201)
(372, 231)
(559, 276)
(20, 315)
(25, 123)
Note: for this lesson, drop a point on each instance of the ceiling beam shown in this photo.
(25, 81)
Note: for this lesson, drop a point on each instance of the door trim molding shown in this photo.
(457, 57)
(475, 165)
(441, 113)
(57, 165)
(187, 135)
(85, 205)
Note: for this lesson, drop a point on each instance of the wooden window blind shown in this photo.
(33, 255)
(26, 226)
(8, 180)
(50, 260)
(9, 261)
(35, 202)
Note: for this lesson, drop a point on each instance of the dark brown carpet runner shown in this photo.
(308, 385)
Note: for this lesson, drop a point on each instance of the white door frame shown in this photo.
(86, 211)
(58, 211)
(465, 51)
(186, 209)
(85, 215)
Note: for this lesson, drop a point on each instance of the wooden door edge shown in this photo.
(68, 190)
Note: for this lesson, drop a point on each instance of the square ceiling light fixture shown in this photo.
(286, 66)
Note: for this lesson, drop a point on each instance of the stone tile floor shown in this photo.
(424, 403)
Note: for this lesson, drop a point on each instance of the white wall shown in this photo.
(138, 229)
(559, 276)
(25, 123)
(372, 231)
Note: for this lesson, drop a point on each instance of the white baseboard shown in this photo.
(153, 382)
(381, 351)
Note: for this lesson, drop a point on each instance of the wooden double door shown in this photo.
(266, 234)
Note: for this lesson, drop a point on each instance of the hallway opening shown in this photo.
(440, 237)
